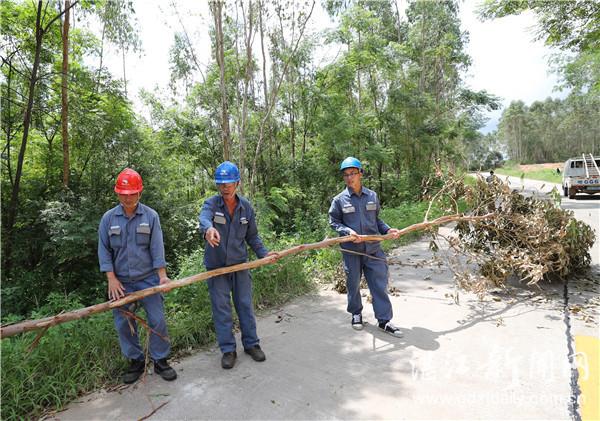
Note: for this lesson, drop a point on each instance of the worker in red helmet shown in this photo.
(132, 254)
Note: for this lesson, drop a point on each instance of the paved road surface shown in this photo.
(509, 356)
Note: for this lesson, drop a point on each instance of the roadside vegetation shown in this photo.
(533, 172)
(84, 355)
(394, 96)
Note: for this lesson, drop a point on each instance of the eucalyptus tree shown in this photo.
(407, 106)
(551, 130)
(42, 221)
(216, 8)
(64, 115)
(16, 37)
(300, 22)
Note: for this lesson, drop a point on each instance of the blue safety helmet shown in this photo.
(351, 162)
(227, 172)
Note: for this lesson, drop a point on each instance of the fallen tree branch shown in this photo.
(29, 325)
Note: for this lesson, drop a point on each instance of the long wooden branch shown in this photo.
(29, 325)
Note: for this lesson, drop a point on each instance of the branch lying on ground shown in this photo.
(29, 325)
(531, 238)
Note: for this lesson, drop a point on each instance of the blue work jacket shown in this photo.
(359, 212)
(131, 248)
(235, 232)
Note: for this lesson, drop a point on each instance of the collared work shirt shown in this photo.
(236, 231)
(359, 212)
(133, 247)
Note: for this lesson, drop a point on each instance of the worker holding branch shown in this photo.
(132, 254)
(355, 211)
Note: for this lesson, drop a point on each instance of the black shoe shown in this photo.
(135, 370)
(357, 323)
(162, 368)
(256, 353)
(388, 327)
(228, 359)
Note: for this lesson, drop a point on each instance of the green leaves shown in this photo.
(569, 25)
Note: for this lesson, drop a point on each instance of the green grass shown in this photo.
(84, 355)
(546, 174)
(70, 359)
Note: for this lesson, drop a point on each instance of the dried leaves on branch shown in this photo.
(530, 238)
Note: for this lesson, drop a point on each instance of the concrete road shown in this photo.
(511, 356)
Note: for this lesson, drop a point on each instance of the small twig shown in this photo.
(153, 412)
(117, 388)
(37, 340)
(143, 323)
(445, 187)
(146, 355)
(362, 254)
(415, 265)
(38, 337)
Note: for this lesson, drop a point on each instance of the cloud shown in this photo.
(507, 62)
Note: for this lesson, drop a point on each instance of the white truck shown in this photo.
(581, 175)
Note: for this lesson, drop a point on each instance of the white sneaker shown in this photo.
(391, 329)
(357, 323)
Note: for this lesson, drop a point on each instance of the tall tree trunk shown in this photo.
(124, 73)
(101, 54)
(248, 33)
(398, 24)
(264, 70)
(264, 59)
(14, 198)
(358, 82)
(64, 94)
(274, 93)
(216, 7)
(8, 121)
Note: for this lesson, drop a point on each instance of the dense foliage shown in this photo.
(553, 130)
(393, 96)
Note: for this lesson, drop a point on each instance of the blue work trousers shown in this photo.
(237, 285)
(153, 305)
(376, 273)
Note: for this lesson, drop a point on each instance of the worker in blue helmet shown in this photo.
(228, 223)
(355, 211)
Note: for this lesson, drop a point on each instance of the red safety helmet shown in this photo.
(129, 182)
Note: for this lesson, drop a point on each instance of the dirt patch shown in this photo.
(534, 167)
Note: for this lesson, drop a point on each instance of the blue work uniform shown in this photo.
(236, 233)
(133, 249)
(360, 212)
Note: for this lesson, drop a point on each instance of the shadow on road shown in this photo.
(427, 339)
